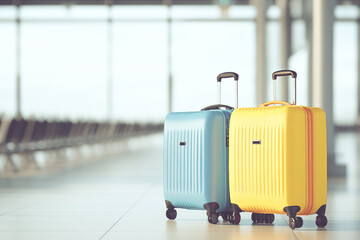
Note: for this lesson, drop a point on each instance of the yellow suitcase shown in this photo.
(277, 161)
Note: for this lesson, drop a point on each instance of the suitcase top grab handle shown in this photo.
(227, 75)
(281, 73)
(274, 102)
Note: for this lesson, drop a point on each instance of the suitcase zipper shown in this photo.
(310, 161)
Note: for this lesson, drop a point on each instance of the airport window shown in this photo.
(195, 12)
(44, 13)
(64, 69)
(7, 67)
(203, 49)
(345, 73)
(273, 56)
(140, 13)
(64, 50)
(140, 70)
(346, 11)
(7, 13)
(299, 60)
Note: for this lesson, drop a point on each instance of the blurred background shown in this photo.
(85, 80)
(135, 61)
(107, 60)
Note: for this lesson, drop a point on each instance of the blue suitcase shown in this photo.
(196, 157)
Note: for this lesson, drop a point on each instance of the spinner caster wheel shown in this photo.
(260, 218)
(269, 218)
(235, 218)
(213, 218)
(292, 223)
(299, 222)
(226, 216)
(321, 221)
(253, 217)
(171, 214)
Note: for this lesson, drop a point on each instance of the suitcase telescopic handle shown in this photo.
(227, 75)
(284, 73)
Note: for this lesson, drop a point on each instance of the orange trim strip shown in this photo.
(310, 162)
(306, 160)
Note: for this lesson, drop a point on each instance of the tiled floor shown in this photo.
(122, 198)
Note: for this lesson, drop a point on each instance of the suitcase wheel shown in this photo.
(226, 216)
(262, 218)
(299, 222)
(292, 223)
(235, 218)
(321, 221)
(295, 222)
(171, 214)
(213, 218)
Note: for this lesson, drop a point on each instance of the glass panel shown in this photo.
(139, 12)
(299, 63)
(201, 51)
(273, 12)
(273, 50)
(298, 35)
(7, 12)
(242, 11)
(64, 69)
(8, 68)
(196, 12)
(273, 57)
(63, 12)
(345, 72)
(88, 12)
(296, 8)
(66, 63)
(44, 12)
(346, 11)
(140, 71)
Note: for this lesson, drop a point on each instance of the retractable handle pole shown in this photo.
(227, 75)
(281, 73)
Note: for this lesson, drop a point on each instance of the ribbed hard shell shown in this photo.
(269, 176)
(184, 168)
(196, 172)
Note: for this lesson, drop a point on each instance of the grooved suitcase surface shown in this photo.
(267, 176)
(196, 159)
(184, 168)
(268, 159)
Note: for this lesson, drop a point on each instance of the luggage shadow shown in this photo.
(332, 226)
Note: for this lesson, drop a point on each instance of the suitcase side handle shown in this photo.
(227, 75)
(281, 73)
(275, 102)
(216, 106)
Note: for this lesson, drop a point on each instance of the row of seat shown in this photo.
(19, 135)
